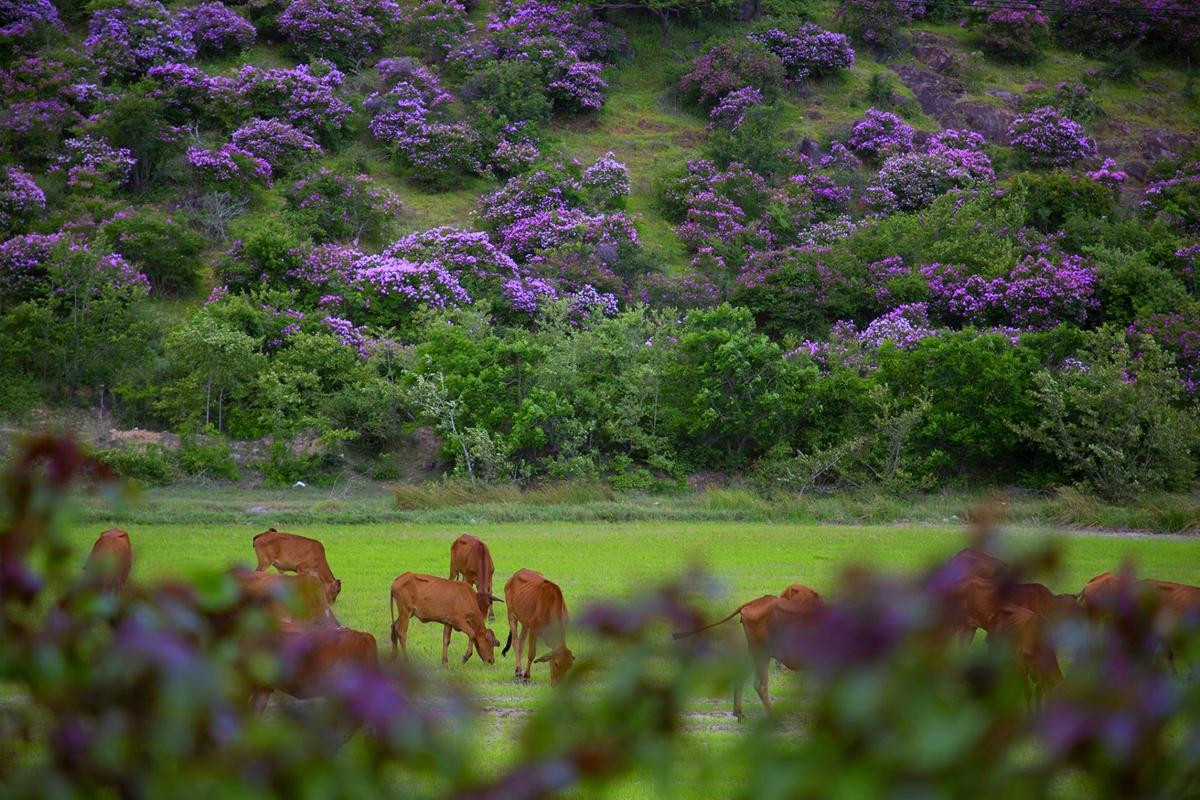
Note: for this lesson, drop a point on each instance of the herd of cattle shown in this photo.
(982, 594)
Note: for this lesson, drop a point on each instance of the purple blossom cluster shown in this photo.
(190, 90)
(573, 26)
(215, 28)
(810, 52)
(469, 255)
(1176, 200)
(1096, 25)
(276, 142)
(1048, 138)
(1013, 32)
(515, 152)
(28, 19)
(730, 111)
(588, 301)
(528, 294)
(344, 31)
(435, 25)
(607, 182)
(305, 96)
(343, 206)
(31, 129)
(126, 40)
(1109, 174)
(1039, 292)
(880, 134)
(877, 22)
(227, 167)
(846, 346)
(88, 161)
(550, 230)
(23, 262)
(348, 334)
(689, 290)
(578, 87)
(727, 67)
(393, 286)
(21, 198)
(953, 160)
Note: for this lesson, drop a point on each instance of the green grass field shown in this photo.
(594, 561)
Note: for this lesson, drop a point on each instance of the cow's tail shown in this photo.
(685, 634)
(507, 644)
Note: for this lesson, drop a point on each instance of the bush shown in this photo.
(810, 52)
(339, 207)
(1015, 33)
(1046, 138)
(127, 39)
(1051, 198)
(880, 134)
(1111, 417)
(1129, 286)
(166, 252)
(151, 466)
(215, 28)
(208, 456)
(513, 90)
(879, 22)
(728, 66)
(344, 32)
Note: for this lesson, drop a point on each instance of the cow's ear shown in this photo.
(545, 658)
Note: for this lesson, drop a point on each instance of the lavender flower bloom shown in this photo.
(20, 198)
(227, 166)
(349, 334)
(215, 28)
(88, 160)
(23, 261)
(276, 142)
(304, 96)
(730, 112)
(527, 295)
(396, 286)
(25, 19)
(1109, 174)
(608, 182)
(880, 134)
(344, 32)
(127, 40)
(811, 51)
(1049, 139)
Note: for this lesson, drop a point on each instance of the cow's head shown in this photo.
(561, 658)
(332, 590)
(486, 643)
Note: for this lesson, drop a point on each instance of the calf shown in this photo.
(538, 605)
(312, 656)
(110, 561)
(471, 559)
(767, 623)
(1025, 631)
(291, 598)
(288, 552)
(452, 603)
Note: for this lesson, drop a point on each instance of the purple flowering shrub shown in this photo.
(810, 52)
(126, 40)
(305, 96)
(32, 129)
(56, 265)
(730, 111)
(1109, 174)
(392, 288)
(24, 261)
(607, 182)
(93, 165)
(476, 264)
(21, 199)
(579, 87)
(730, 66)
(227, 168)
(434, 25)
(1041, 291)
(336, 207)
(880, 134)
(1017, 32)
(953, 160)
(215, 28)
(684, 291)
(1047, 138)
(277, 143)
(192, 95)
(28, 24)
(1097, 26)
(515, 152)
(344, 32)
(574, 26)
(1176, 200)
(878, 22)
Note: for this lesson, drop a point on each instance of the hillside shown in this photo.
(872, 243)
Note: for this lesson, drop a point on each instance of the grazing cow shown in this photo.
(767, 622)
(452, 603)
(291, 598)
(110, 561)
(471, 559)
(538, 605)
(982, 597)
(288, 552)
(1025, 631)
(312, 656)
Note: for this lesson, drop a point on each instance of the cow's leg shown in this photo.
(264, 561)
(533, 640)
(446, 631)
(762, 674)
(521, 676)
(470, 649)
(400, 633)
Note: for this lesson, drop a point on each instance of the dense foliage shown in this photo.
(384, 204)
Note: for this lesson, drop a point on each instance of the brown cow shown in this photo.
(452, 603)
(110, 561)
(982, 597)
(767, 622)
(291, 598)
(288, 552)
(975, 563)
(1026, 632)
(312, 656)
(471, 559)
(538, 605)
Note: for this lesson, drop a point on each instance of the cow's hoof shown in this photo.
(466, 659)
